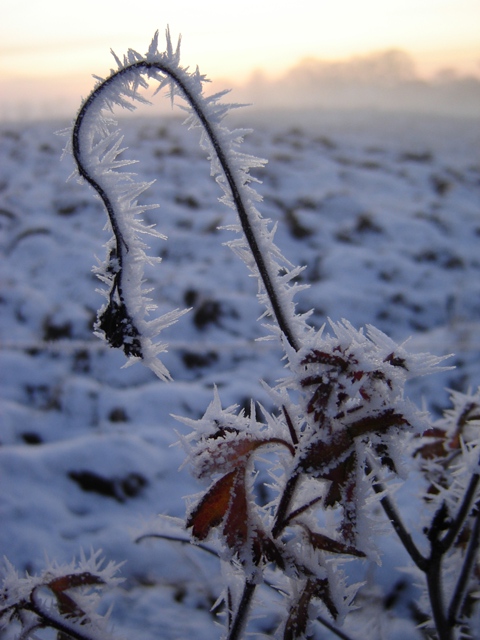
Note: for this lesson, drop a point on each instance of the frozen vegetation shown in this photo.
(384, 214)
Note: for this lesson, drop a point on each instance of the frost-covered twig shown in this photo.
(397, 522)
(351, 409)
(177, 538)
(96, 145)
(466, 571)
(465, 506)
(240, 617)
(75, 590)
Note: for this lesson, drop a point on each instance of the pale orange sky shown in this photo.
(57, 39)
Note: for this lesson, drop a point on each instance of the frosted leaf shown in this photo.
(76, 588)
(353, 373)
(224, 439)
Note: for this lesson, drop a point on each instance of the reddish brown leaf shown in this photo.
(67, 605)
(455, 443)
(432, 450)
(235, 528)
(380, 423)
(322, 590)
(225, 454)
(442, 443)
(434, 432)
(323, 542)
(265, 547)
(322, 357)
(340, 476)
(213, 507)
(297, 620)
(74, 580)
(320, 455)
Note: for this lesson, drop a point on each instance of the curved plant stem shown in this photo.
(240, 618)
(173, 538)
(47, 619)
(145, 66)
(397, 523)
(328, 625)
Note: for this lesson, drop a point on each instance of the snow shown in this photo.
(384, 213)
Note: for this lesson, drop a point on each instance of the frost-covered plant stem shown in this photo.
(48, 619)
(342, 417)
(445, 616)
(465, 506)
(467, 568)
(397, 522)
(241, 614)
(174, 74)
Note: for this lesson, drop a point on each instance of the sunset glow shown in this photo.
(54, 37)
(60, 39)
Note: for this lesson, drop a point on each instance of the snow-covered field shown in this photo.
(383, 210)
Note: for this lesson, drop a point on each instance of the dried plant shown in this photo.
(342, 433)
